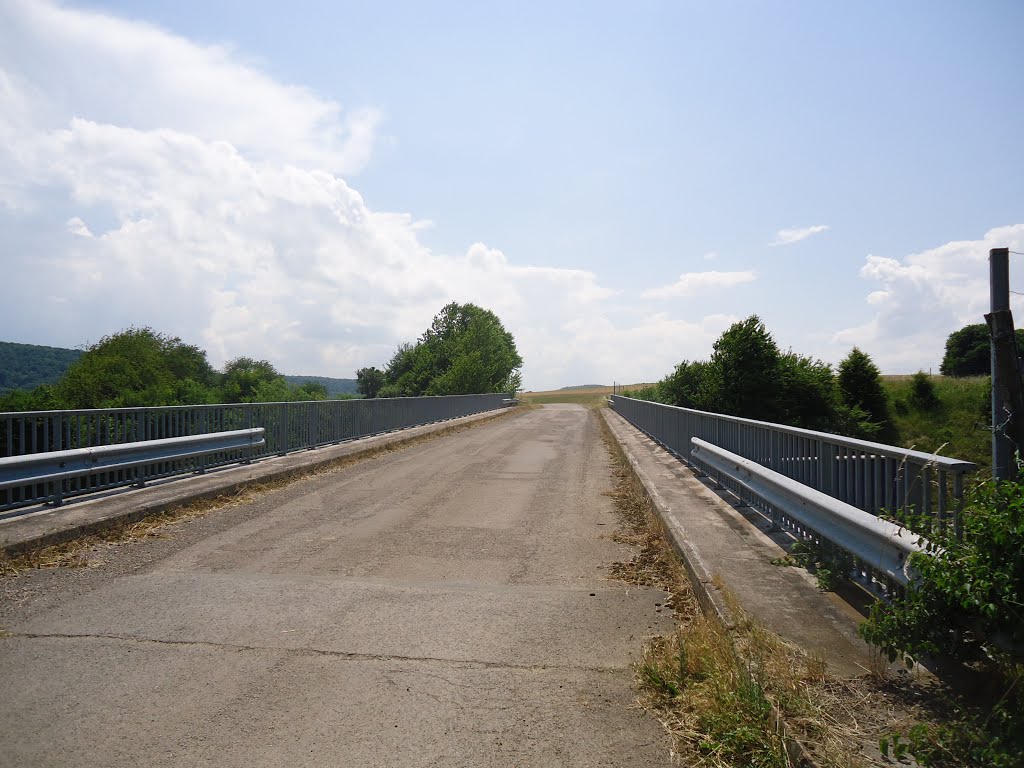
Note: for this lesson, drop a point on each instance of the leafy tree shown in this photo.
(746, 361)
(466, 350)
(369, 381)
(137, 367)
(968, 351)
(309, 390)
(690, 385)
(807, 394)
(253, 381)
(860, 385)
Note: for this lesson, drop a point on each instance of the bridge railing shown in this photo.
(287, 427)
(918, 489)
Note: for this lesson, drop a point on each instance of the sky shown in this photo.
(309, 183)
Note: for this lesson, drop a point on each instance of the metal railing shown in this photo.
(879, 551)
(147, 459)
(914, 488)
(288, 427)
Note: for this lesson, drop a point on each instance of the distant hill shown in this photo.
(335, 387)
(584, 386)
(26, 366)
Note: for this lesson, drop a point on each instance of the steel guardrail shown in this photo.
(50, 470)
(880, 548)
(882, 480)
(288, 427)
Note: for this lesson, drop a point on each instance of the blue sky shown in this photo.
(311, 183)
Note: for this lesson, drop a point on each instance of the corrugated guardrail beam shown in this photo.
(54, 467)
(880, 544)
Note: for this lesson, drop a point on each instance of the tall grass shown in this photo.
(956, 426)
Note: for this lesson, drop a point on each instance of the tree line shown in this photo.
(466, 350)
(748, 375)
(141, 367)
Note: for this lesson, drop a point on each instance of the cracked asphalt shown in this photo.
(444, 605)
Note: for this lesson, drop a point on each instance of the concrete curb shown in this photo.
(709, 594)
(89, 515)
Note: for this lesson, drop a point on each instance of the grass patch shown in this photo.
(586, 396)
(957, 426)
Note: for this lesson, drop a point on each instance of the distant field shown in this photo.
(581, 395)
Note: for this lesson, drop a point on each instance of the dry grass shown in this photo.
(720, 693)
(86, 550)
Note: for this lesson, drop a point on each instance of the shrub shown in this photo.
(922, 392)
(966, 606)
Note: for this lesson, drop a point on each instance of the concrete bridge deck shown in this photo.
(442, 605)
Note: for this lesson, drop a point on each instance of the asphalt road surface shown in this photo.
(444, 605)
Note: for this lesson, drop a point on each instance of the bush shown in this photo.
(966, 607)
(922, 392)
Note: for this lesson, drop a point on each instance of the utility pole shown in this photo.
(1007, 394)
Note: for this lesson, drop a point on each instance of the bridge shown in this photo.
(443, 600)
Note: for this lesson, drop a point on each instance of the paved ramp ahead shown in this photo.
(445, 605)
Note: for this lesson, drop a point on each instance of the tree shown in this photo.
(369, 381)
(137, 367)
(860, 385)
(253, 381)
(746, 362)
(466, 350)
(968, 351)
(690, 385)
(807, 394)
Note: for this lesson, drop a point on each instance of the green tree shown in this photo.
(309, 390)
(369, 381)
(466, 350)
(807, 394)
(746, 362)
(690, 385)
(860, 384)
(968, 351)
(137, 367)
(253, 381)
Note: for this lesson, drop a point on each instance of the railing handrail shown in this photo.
(289, 426)
(891, 451)
(54, 466)
(883, 545)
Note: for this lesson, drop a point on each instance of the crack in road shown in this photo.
(340, 655)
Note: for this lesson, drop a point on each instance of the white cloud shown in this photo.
(60, 62)
(789, 236)
(147, 180)
(924, 297)
(691, 282)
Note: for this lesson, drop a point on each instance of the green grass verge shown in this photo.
(956, 427)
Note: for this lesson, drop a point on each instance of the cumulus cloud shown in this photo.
(789, 236)
(59, 62)
(923, 297)
(147, 180)
(692, 282)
